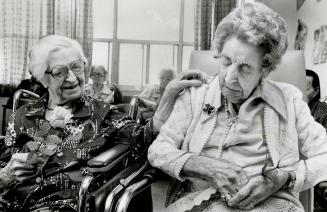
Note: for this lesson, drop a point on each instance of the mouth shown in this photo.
(70, 86)
(233, 89)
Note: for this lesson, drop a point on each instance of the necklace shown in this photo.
(230, 120)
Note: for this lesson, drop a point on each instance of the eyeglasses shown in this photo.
(61, 71)
(96, 74)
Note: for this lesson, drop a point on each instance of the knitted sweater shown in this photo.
(289, 132)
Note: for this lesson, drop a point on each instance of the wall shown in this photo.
(314, 14)
(287, 9)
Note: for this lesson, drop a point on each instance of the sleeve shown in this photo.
(165, 152)
(312, 145)
(147, 92)
(323, 118)
(107, 95)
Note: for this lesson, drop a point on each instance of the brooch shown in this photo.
(208, 109)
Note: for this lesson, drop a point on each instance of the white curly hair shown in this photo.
(40, 53)
(256, 24)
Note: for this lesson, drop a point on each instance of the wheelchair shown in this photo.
(112, 170)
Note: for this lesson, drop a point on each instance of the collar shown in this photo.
(269, 92)
(272, 95)
(81, 109)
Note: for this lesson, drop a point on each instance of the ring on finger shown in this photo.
(252, 204)
(223, 197)
(10, 173)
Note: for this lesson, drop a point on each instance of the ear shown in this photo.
(317, 91)
(265, 73)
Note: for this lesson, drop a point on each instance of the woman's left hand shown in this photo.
(258, 189)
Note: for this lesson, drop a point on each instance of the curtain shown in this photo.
(23, 22)
(207, 17)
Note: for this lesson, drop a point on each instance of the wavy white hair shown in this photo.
(40, 53)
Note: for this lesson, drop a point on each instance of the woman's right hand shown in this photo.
(226, 177)
(183, 80)
(18, 168)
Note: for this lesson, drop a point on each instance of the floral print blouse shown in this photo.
(80, 139)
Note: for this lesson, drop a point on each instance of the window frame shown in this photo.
(114, 48)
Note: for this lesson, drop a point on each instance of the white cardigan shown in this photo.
(289, 133)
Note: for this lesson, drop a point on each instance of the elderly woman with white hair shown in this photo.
(60, 129)
(99, 89)
(234, 143)
(151, 95)
(56, 130)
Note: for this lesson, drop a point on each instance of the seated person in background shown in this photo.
(318, 108)
(62, 128)
(151, 95)
(99, 89)
(30, 85)
(235, 143)
(319, 112)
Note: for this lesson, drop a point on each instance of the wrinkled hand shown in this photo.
(18, 168)
(223, 175)
(228, 178)
(185, 79)
(258, 189)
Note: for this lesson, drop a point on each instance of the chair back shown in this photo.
(290, 70)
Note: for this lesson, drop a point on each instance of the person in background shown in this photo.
(99, 89)
(151, 95)
(318, 109)
(319, 112)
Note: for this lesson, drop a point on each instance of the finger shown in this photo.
(189, 83)
(23, 167)
(20, 157)
(194, 74)
(24, 173)
(240, 195)
(249, 206)
(248, 201)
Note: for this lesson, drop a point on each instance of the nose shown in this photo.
(231, 73)
(71, 77)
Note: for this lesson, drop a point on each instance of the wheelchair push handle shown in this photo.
(17, 97)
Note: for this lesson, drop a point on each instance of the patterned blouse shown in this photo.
(106, 94)
(80, 139)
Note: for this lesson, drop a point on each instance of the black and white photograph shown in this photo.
(163, 106)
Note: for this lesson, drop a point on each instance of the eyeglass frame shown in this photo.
(97, 74)
(69, 68)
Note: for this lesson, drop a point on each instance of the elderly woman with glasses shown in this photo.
(61, 129)
(152, 94)
(99, 89)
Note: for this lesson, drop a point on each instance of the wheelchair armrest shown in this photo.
(106, 160)
(134, 106)
(131, 191)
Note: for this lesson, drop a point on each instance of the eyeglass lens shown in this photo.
(61, 71)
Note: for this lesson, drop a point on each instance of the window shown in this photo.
(135, 39)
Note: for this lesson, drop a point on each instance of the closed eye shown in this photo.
(225, 61)
(245, 68)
